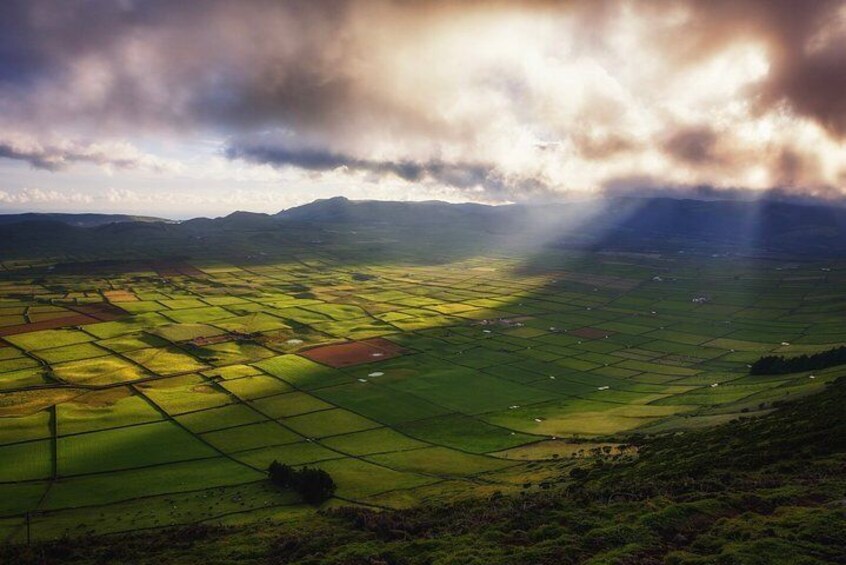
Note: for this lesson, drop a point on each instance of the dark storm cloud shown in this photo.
(19, 54)
(154, 63)
(455, 174)
(693, 145)
(256, 60)
(650, 187)
(56, 157)
(37, 159)
(806, 43)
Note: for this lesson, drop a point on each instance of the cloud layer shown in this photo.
(493, 100)
(58, 154)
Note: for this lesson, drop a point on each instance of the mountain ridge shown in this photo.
(623, 223)
(84, 219)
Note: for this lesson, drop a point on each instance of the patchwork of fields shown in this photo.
(165, 404)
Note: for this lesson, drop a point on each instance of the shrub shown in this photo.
(314, 485)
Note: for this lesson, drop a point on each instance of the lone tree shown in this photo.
(314, 485)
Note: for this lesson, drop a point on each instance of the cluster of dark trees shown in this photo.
(779, 365)
(314, 485)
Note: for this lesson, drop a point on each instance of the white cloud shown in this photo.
(54, 153)
(490, 101)
(41, 196)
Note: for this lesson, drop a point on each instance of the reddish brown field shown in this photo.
(74, 320)
(86, 314)
(101, 311)
(176, 268)
(354, 352)
(590, 333)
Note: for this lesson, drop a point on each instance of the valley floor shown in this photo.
(140, 395)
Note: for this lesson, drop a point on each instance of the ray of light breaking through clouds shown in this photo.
(489, 101)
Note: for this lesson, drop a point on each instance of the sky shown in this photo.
(200, 108)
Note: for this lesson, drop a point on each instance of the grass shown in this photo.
(71, 353)
(301, 372)
(229, 353)
(197, 315)
(300, 453)
(95, 490)
(47, 339)
(25, 461)
(468, 411)
(250, 436)
(256, 322)
(104, 410)
(256, 386)
(380, 403)
(465, 433)
(329, 422)
(23, 378)
(360, 479)
(289, 404)
(107, 330)
(232, 372)
(187, 393)
(381, 440)
(99, 371)
(15, 499)
(166, 360)
(455, 388)
(438, 461)
(579, 417)
(25, 428)
(124, 448)
(132, 342)
(185, 332)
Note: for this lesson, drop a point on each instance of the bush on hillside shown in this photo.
(314, 485)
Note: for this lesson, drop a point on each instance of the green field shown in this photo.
(171, 414)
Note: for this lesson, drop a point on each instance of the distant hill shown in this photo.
(340, 209)
(765, 225)
(78, 220)
(623, 223)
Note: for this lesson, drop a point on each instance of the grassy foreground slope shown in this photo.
(770, 489)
